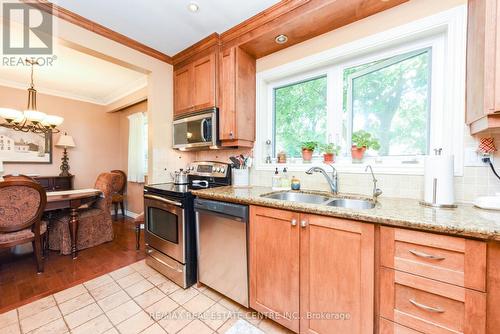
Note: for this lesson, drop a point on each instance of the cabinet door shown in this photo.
(336, 275)
(227, 111)
(183, 90)
(204, 82)
(274, 265)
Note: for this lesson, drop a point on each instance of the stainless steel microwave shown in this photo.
(196, 131)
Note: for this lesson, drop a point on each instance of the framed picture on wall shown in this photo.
(25, 147)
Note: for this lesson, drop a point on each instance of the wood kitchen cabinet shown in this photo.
(315, 273)
(195, 85)
(483, 65)
(237, 98)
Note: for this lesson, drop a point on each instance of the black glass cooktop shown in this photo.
(178, 189)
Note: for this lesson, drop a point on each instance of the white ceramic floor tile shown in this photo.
(139, 288)
(112, 331)
(149, 297)
(216, 316)
(98, 281)
(70, 293)
(113, 301)
(122, 272)
(129, 280)
(39, 319)
(105, 290)
(11, 329)
(196, 327)
(76, 303)
(198, 304)
(181, 296)
(155, 329)
(95, 326)
(146, 271)
(212, 294)
(123, 312)
(135, 324)
(36, 307)
(230, 304)
(176, 321)
(83, 315)
(168, 287)
(55, 327)
(8, 318)
(271, 327)
(162, 308)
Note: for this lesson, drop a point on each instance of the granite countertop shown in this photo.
(465, 220)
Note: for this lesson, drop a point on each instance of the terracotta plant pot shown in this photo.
(307, 155)
(357, 153)
(328, 158)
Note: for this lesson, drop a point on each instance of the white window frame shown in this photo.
(444, 32)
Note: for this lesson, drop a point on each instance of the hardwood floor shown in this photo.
(20, 284)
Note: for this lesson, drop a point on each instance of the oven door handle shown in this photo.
(161, 199)
(150, 253)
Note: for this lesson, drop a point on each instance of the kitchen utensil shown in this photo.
(180, 177)
(236, 162)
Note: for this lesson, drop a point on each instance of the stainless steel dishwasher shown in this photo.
(222, 248)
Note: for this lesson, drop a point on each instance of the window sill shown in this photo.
(349, 167)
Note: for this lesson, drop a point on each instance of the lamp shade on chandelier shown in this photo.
(31, 119)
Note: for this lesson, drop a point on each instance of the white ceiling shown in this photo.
(166, 25)
(74, 75)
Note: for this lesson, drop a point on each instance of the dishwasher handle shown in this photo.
(218, 214)
(228, 210)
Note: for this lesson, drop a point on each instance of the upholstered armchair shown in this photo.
(118, 198)
(22, 203)
(95, 226)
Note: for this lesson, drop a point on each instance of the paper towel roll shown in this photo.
(438, 180)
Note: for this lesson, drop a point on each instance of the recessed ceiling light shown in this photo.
(281, 39)
(193, 7)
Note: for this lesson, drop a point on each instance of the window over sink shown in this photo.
(404, 87)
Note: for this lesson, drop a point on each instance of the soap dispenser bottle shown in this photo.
(285, 180)
(276, 180)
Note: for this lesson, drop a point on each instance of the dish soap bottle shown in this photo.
(276, 180)
(285, 180)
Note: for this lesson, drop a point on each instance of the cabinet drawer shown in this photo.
(447, 259)
(389, 327)
(61, 184)
(430, 306)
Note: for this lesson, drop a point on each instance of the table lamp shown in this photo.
(65, 142)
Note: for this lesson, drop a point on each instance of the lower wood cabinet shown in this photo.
(312, 274)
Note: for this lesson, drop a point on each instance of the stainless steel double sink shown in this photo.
(302, 197)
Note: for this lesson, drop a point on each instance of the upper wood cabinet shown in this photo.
(237, 98)
(195, 85)
(483, 65)
(314, 273)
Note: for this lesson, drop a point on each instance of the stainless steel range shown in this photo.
(170, 230)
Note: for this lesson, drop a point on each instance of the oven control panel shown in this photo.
(209, 169)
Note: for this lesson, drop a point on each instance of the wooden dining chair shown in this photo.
(118, 198)
(22, 203)
(138, 221)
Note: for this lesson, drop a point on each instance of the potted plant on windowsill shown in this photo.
(329, 152)
(308, 148)
(362, 141)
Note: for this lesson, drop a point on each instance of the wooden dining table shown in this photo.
(73, 200)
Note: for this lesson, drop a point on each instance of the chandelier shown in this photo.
(30, 120)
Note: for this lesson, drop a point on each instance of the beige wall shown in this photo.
(95, 133)
(134, 203)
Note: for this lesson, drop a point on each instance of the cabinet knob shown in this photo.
(231, 134)
(303, 224)
(294, 222)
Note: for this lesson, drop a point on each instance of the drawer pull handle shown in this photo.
(294, 222)
(426, 256)
(425, 307)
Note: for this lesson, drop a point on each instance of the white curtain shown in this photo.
(136, 149)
